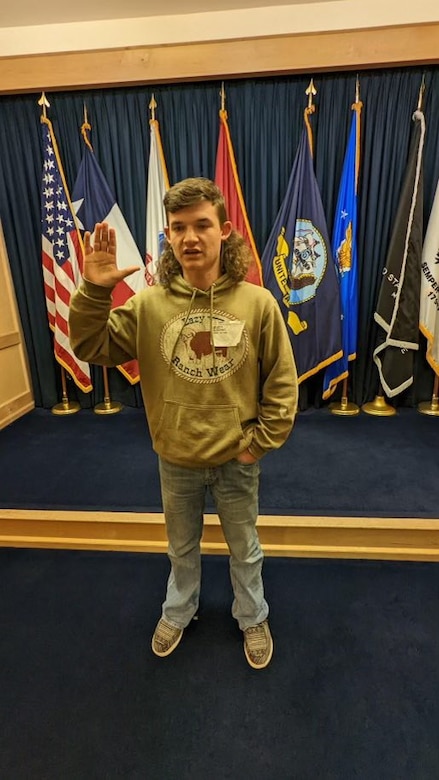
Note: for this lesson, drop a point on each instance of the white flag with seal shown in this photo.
(429, 304)
(155, 211)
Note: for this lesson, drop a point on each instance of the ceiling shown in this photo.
(23, 13)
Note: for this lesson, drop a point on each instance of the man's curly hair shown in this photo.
(235, 254)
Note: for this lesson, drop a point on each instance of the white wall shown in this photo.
(220, 25)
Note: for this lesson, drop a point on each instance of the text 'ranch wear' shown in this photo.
(216, 367)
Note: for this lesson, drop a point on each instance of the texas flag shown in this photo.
(94, 202)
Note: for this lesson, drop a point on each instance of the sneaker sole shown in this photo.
(169, 650)
(259, 666)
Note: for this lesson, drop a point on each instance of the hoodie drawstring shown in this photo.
(193, 296)
(194, 292)
(211, 326)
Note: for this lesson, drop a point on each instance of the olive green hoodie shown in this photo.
(216, 367)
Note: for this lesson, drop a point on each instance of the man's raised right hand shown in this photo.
(100, 264)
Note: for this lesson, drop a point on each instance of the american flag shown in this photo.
(62, 256)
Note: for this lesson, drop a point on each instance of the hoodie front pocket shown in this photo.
(198, 433)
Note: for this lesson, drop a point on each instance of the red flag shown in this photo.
(226, 177)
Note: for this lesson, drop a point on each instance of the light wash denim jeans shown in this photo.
(235, 490)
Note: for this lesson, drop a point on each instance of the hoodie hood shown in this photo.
(179, 286)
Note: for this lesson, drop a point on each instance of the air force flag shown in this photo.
(344, 248)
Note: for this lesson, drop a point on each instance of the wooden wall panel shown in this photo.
(277, 55)
(15, 387)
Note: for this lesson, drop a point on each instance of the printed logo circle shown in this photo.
(308, 262)
(186, 345)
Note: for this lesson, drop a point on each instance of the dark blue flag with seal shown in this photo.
(344, 250)
(299, 270)
(397, 310)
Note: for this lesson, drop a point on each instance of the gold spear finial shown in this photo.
(152, 106)
(86, 126)
(310, 91)
(357, 89)
(421, 92)
(44, 103)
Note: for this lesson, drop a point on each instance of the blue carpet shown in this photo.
(352, 691)
(361, 466)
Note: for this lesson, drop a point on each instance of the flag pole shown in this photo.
(66, 406)
(310, 91)
(379, 406)
(431, 407)
(344, 407)
(107, 406)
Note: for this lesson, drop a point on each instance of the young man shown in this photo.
(219, 385)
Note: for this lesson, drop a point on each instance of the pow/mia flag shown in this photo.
(299, 270)
(397, 309)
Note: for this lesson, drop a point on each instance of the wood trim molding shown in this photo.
(400, 45)
(10, 339)
(291, 536)
(14, 408)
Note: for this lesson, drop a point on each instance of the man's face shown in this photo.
(195, 235)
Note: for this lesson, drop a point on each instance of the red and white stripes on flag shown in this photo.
(227, 179)
(62, 256)
(158, 183)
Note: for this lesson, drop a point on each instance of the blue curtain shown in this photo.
(265, 119)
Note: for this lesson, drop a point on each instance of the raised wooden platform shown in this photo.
(300, 536)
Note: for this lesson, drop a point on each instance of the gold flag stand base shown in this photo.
(344, 408)
(430, 407)
(379, 407)
(108, 407)
(66, 407)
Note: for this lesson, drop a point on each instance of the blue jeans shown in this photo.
(235, 490)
